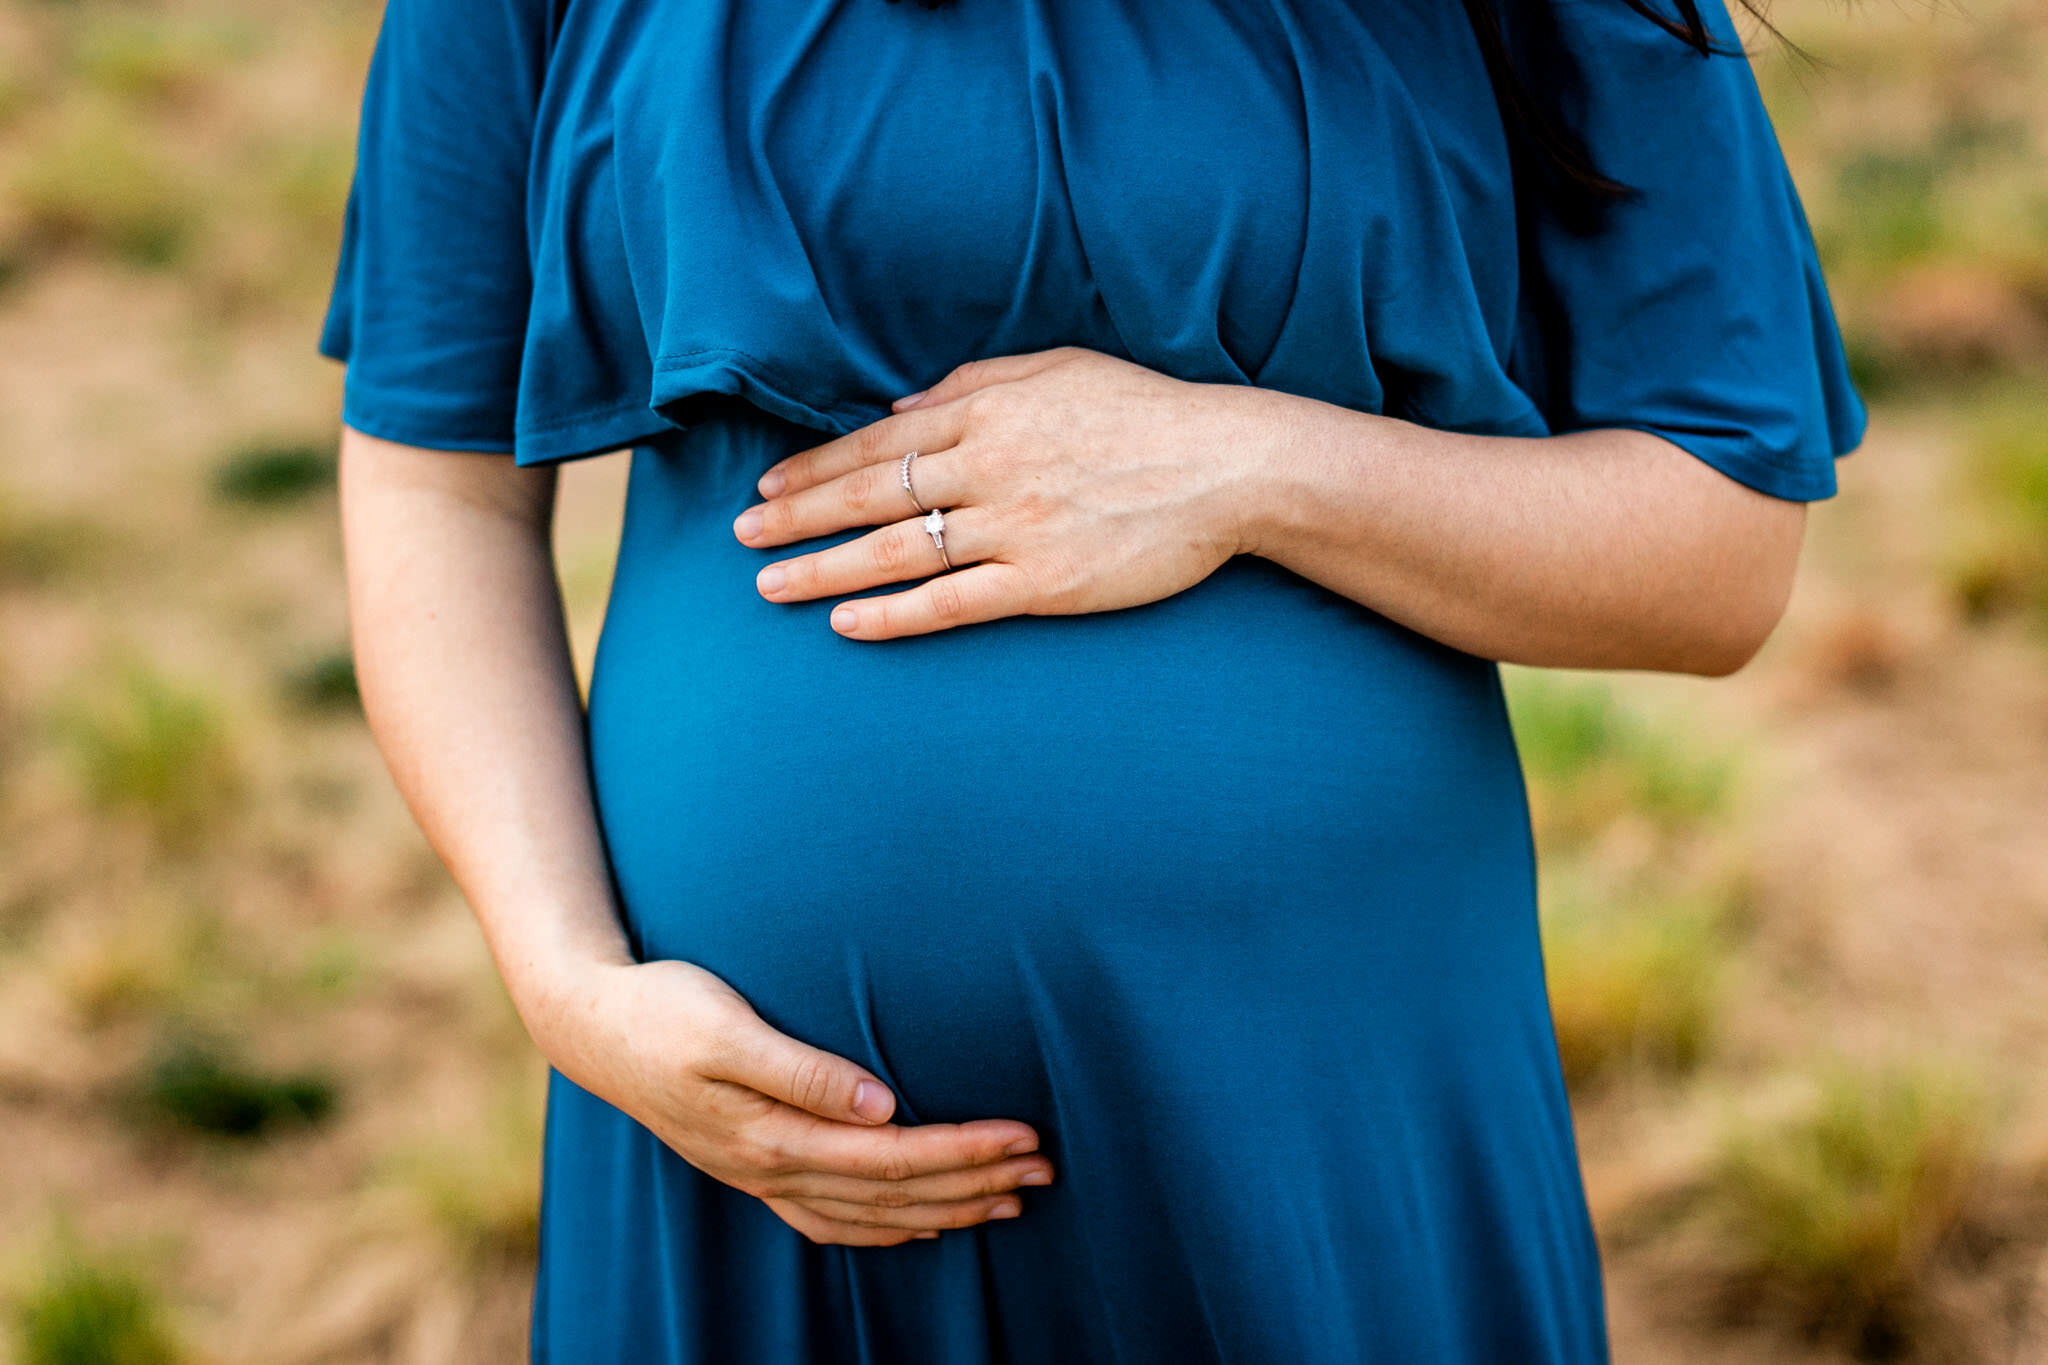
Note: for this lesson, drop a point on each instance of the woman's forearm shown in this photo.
(462, 657)
(1597, 549)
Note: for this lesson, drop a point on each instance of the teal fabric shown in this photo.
(1231, 895)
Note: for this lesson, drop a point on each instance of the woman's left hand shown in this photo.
(1071, 482)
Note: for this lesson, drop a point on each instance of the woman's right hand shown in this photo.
(802, 1129)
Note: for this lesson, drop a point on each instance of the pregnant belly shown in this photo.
(936, 853)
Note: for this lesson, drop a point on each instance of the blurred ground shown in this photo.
(264, 1100)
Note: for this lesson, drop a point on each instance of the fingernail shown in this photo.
(749, 524)
(925, 1236)
(1037, 1178)
(870, 1101)
(844, 618)
(1007, 1209)
(1021, 1146)
(772, 578)
(907, 399)
(771, 483)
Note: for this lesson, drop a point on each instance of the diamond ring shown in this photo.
(935, 527)
(904, 475)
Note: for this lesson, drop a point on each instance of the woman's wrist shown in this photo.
(558, 977)
(1265, 456)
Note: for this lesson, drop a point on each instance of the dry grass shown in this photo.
(1835, 850)
(92, 1309)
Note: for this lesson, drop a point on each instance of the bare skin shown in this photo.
(1074, 482)
(464, 665)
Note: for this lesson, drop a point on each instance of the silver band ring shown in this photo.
(904, 475)
(935, 526)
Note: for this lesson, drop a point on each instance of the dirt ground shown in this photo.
(196, 839)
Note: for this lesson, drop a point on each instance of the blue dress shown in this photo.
(1232, 895)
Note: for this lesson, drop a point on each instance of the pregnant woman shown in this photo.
(1094, 921)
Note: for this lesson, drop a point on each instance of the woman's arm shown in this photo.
(1075, 481)
(463, 659)
(1597, 549)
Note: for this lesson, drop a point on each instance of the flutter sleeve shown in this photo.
(1696, 311)
(433, 284)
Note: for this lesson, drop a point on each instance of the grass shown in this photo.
(156, 955)
(38, 550)
(1837, 1216)
(147, 744)
(201, 1086)
(327, 683)
(145, 59)
(482, 1196)
(95, 185)
(92, 1311)
(1635, 982)
(1898, 198)
(1998, 565)
(268, 474)
(1591, 761)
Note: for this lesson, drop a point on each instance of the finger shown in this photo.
(968, 1183)
(980, 593)
(870, 495)
(916, 1217)
(830, 1232)
(979, 374)
(818, 1082)
(795, 1141)
(883, 440)
(893, 554)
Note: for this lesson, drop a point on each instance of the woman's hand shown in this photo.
(802, 1129)
(1071, 482)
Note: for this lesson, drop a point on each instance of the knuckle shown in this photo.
(987, 405)
(762, 1160)
(778, 519)
(893, 1165)
(894, 1197)
(810, 1083)
(948, 599)
(861, 487)
(889, 551)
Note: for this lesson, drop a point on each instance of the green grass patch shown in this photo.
(143, 58)
(95, 185)
(275, 474)
(1635, 982)
(1997, 564)
(1589, 760)
(1836, 1215)
(327, 683)
(306, 183)
(201, 1086)
(92, 1311)
(1897, 199)
(146, 744)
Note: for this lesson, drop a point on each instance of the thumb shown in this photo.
(764, 1058)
